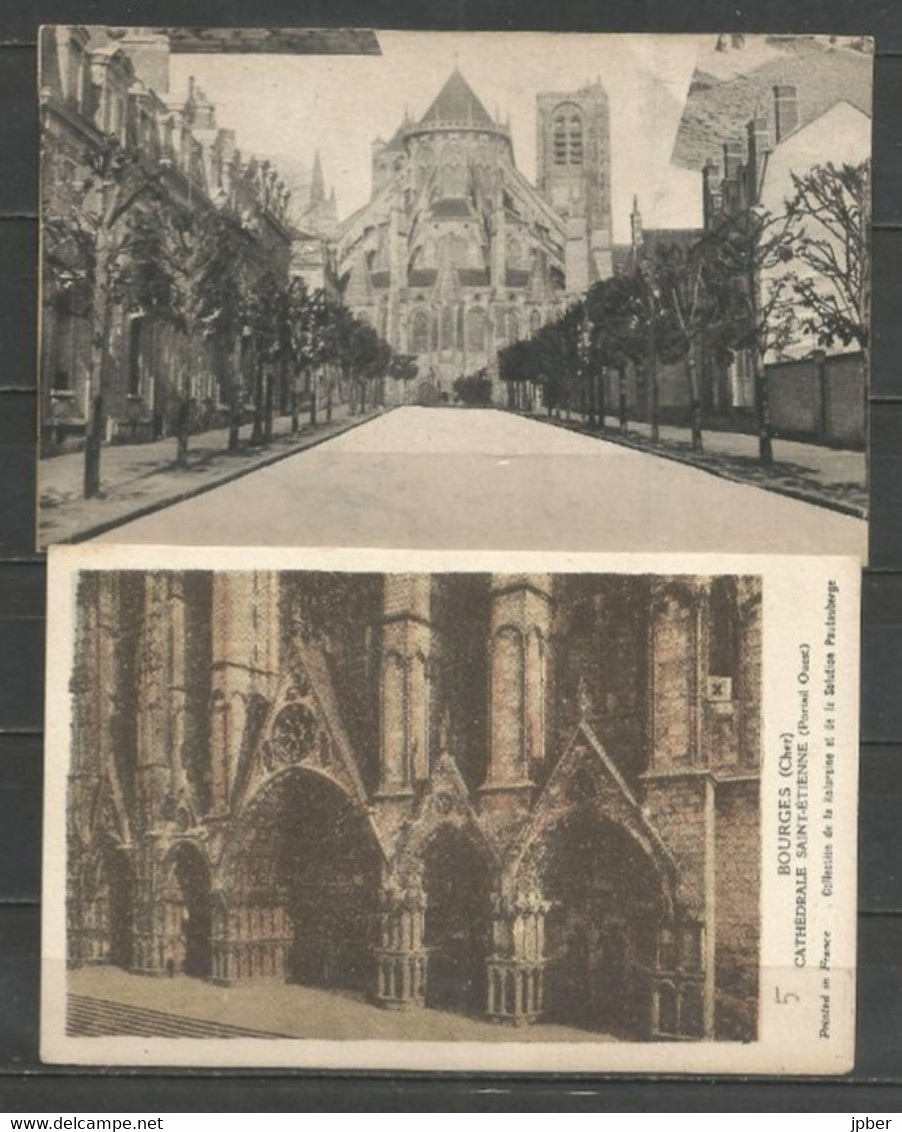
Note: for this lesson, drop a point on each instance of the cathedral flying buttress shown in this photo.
(521, 797)
(456, 255)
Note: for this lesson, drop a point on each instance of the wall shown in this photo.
(819, 398)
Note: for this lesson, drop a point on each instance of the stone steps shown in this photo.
(95, 1017)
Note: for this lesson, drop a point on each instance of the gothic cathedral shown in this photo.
(457, 254)
(516, 797)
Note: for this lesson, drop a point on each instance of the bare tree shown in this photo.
(747, 258)
(683, 278)
(831, 216)
(86, 239)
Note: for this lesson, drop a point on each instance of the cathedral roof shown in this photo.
(456, 102)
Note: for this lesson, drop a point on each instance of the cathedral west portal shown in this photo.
(457, 254)
(515, 797)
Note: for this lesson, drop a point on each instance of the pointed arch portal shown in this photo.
(457, 925)
(188, 911)
(604, 899)
(302, 886)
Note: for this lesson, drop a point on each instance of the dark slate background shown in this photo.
(876, 1084)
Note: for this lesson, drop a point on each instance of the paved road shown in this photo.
(472, 478)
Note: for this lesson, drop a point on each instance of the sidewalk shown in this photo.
(137, 479)
(813, 473)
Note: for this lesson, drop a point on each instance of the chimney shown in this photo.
(733, 154)
(786, 111)
(759, 146)
(712, 196)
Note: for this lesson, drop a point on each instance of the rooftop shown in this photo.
(456, 102)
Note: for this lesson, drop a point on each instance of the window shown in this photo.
(559, 141)
(447, 339)
(722, 636)
(135, 336)
(535, 321)
(576, 140)
(64, 351)
(419, 333)
(513, 326)
(567, 136)
(476, 330)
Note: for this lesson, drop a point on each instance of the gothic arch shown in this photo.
(106, 904)
(601, 918)
(419, 331)
(187, 909)
(298, 884)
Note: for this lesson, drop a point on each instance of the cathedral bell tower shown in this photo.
(573, 170)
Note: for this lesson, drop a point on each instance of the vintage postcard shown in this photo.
(461, 810)
(357, 288)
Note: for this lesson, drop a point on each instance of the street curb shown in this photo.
(637, 446)
(189, 493)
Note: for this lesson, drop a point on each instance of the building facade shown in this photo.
(457, 254)
(105, 98)
(755, 172)
(517, 797)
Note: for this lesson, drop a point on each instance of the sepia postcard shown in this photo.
(483, 290)
(475, 811)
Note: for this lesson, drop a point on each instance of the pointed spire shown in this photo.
(317, 184)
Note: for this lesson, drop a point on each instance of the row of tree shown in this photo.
(128, 238)
(752, 282)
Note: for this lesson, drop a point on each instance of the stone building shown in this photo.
(457, 254)
(110, 88)
(512, 796)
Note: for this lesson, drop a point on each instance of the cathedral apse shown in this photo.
(521, 798)
(457, 254)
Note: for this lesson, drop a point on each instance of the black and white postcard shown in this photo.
(458, 810)
(495, 290)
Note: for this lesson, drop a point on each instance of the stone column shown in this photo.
(405, 684)
(161, 694)
(519, 634)
(96, 697)
(515, 975)
(401, 958)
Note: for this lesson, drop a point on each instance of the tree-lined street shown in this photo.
(480, 478)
